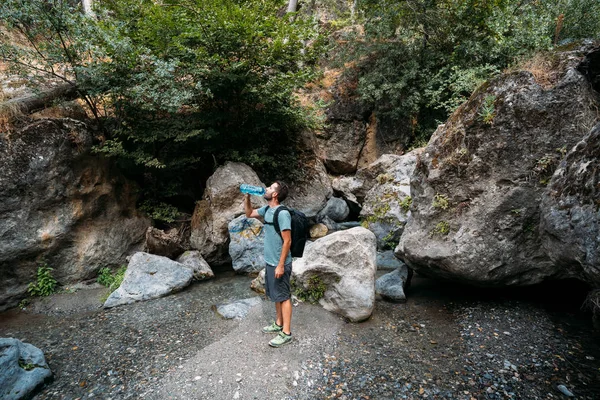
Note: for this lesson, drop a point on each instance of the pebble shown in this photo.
(563, 389)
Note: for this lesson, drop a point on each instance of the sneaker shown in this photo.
(273, 328)
(280, 340)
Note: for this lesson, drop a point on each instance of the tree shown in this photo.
(420, 59)
(178, 86)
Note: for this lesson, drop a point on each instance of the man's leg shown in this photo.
(286, 314)
(279, 319)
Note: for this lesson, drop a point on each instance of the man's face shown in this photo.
(271, 190)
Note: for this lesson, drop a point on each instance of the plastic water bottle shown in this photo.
(254, 190)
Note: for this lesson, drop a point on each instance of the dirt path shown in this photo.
(446, 342)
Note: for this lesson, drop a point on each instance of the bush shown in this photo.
(45, 284)
(313, 291)
(112, 280)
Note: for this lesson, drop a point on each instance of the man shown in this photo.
(278, 259)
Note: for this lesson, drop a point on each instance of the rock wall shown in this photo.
(570, 211)
(61, 205)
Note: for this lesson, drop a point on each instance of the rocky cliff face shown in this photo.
(477, 189)
(62, 206)
(570, 211)
(353, 136)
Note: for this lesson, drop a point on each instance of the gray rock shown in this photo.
(478, 187)
(335, 209)
(330, 224)
(246, 246)
(563, 389)
(161, 243)
(60, 203)
(391, 285)
(258, 283)
(310, 193)
(387, 169)
(237, 309)
(193, 259)
(386, 260)
(23, 369)
(148, 277)
(570, 220)
(341, 146)
(345, 263)
(318, 231)
(385, 204)
(222, 202)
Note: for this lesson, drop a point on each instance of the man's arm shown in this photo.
(250, 213)
(285, 249)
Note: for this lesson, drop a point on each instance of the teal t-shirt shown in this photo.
(274, 242)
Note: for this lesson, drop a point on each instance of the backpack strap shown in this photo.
(275, 221)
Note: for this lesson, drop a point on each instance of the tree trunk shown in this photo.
(87, 7)
(38, 101)
(292, 6)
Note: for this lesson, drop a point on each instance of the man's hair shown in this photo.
(282, 190)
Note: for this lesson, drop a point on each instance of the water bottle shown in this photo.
(254, 190)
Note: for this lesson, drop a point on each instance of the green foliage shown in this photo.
(390, 241)
(312, 291)
(179, 87)
(440, 201)
(442, 228)
(105, 277)
(406, 203)
(487, 111)
(380, 211)
(24, 303)
(27, 366)
(159, 211)
(112, 280)
(420, 59)
(45, 284)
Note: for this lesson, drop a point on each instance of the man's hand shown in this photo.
(279, 271)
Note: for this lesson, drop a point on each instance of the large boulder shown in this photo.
(342, 143)
(387, 169)
(161, 243)
(477, 186)
(193, 259)
(386, 203)
(336, 209)
(149, 276)
(310, 192)
(60, 204)
(23, 369)
(343, 265)
(222, 202)
(570, 211)
(246, 246)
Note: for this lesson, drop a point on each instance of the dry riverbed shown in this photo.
(446, 342)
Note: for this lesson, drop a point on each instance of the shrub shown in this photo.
(111, 280)
(487, 111)
(406, 203)
(440, 201)
(45, 283)
(313, 291)
(442, 229)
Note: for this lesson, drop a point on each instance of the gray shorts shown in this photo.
(278, 290)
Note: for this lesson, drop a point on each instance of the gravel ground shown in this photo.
(446, 342)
